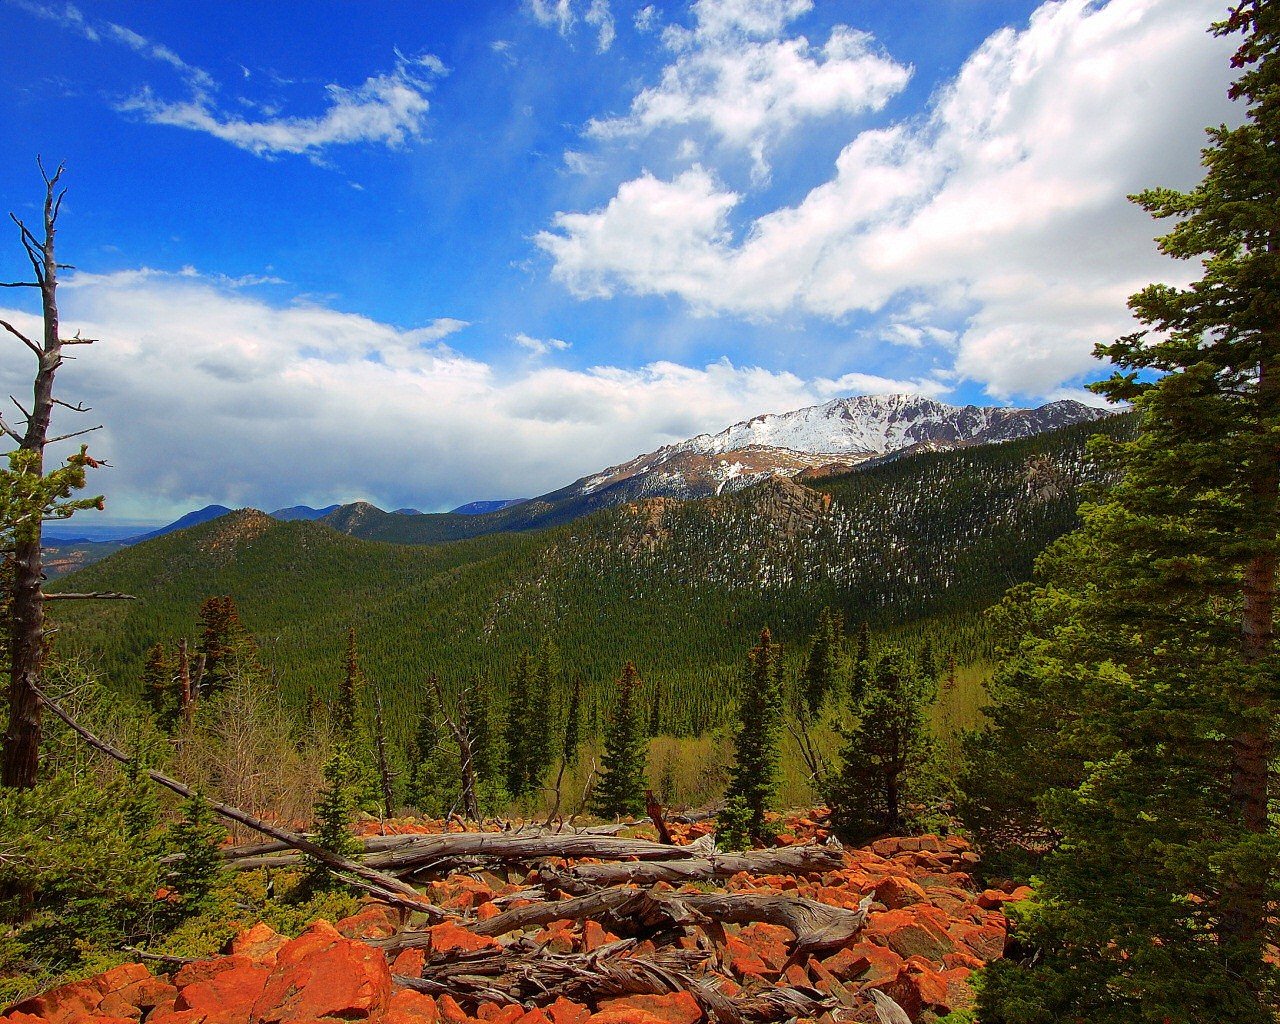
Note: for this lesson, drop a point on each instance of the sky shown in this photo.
(426, 253)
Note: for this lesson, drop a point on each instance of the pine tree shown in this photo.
(753, 778)
(159, 687)
(1149, 648)
(424, 773)
(887, 742)
(347, 717)
(225, 646)
(573, 723)
(521, 746)
(622, 779)
(335, 814)
(196, 839)
(861, 672)
(820, 675)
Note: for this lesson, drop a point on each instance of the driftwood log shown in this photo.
(791, 860)
(532, 975)
(384, 886)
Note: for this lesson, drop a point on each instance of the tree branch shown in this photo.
(74, 433)
(22, 337)
(19, 284)
(78, 407)
(93, 595)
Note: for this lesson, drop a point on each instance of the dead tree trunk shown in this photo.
(384, 768)
(21, 756)
(791, 860)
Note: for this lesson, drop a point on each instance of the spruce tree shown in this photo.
(522, 748)
(225, 645)
(861, 669)
(196, 839)
(888, 740)
(753, 779)
(1149, 650)
(347, 717)
(622, 776)
(335, 814)
(573, 723)
(159, 687)
(820, 675)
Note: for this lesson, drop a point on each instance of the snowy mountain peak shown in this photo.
(880, 424)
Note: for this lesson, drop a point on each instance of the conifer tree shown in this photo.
(753, 779)
(888, 740)
(347, 717)
(861, 669)
(159, 679)
(820, 675)
(196, 839)
(424, 773)
(484, 743)
(522, 748)
(225, 646)
(622, 778)
(573, 722)
(1149, 651)
(335, 814)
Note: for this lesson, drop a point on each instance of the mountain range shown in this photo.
(681, 586)
(807, 443)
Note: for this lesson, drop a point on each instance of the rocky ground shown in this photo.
(927, 929)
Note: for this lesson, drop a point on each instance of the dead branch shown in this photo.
(384, 885)
(93, 595)
(791, 860)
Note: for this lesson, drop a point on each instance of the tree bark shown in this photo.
(791, 860)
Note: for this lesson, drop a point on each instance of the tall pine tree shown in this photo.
(1150, 644)
(622, 779)
(753, 779)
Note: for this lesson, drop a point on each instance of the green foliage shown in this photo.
(336, 814)
(226, 648)
(822, 672)
(348, 716)
(1147, 660)
(933, 536)
(27, 498)
(734, 829)
(754, 776)
(200, 870)
(622, 779)
(886, 745)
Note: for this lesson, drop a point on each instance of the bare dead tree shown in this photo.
(40, 494)
(459, 728)
(385, 776)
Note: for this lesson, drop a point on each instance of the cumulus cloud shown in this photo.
(214, 394)
(388, 109)
(734, 75)
(1002, 210)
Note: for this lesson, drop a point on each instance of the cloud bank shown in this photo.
(211, 393)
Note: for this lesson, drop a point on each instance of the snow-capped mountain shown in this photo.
(823, 438)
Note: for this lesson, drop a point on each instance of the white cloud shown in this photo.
(734, 75)
(646, 18)
(540, 346)
(388, 109)
(214, 394)
(599, 15)
(562, 15)
(1002, 210)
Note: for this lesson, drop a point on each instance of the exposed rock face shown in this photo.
(790, 508)
(929, 928)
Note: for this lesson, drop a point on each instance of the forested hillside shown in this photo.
(681, 588)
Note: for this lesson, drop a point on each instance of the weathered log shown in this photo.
(534, 976)
(791, 860)
(508, 846)
(393, 889)
(817, 927)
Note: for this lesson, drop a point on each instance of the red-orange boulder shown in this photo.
(675, 1008)
(323, 974)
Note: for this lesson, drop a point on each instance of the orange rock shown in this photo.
(447, 935)
(913, 933)
(323, 974)
(565, 1011)
(372, 921)
(534, 1016)
(410, 1007)
(883, 964)
(451, 1012)
(895, 892)
(227, 995)
(846, 964)
(985, 941)
(496, 1014)
(593, 936)
(769, 942)
(81, 998)
(258, 943)
(486, 911)
(675, 1008)
(137, 998)
(742, 960)
(409, 963)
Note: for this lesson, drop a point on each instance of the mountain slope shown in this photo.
(681, 587)
(819, 440)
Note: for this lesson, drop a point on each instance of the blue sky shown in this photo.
(424, 253)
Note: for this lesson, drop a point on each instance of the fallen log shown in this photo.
(817, 927)
(532, 975)
(393, 889)
(790, 860)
